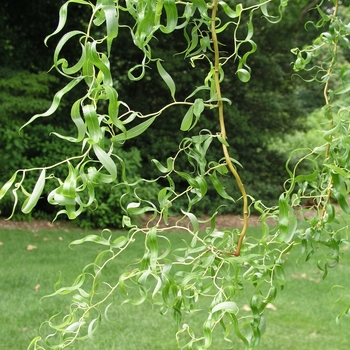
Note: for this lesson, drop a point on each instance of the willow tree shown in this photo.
(213, 267)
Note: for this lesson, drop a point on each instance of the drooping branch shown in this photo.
(223, 128)
(328, 107)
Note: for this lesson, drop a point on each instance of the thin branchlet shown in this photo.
(223, 128)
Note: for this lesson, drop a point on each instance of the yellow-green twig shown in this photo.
(223, 129)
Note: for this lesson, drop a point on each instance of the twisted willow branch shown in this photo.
(328, 107)
(223, 128)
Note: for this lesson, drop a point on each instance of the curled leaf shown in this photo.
(32, 200)
(243, 75)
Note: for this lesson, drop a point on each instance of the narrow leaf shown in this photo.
(106, 161)
(91, 238)
(167, 79)
(219, 188)
(287, 222)
(63, 16)
(63, 63)
(133, 132)
(32, 200)
(152, 244)
(198, 107)
(201, 184)
(280, 275)
(161, 167)
(78, 120)
(110, 12)
(227, 306)
(70, 183)
(229, 12)
(56, 101)
(119, 242)
(171, 16)
(208, 334)
(222, 140)
(193, 219)
(113, 107)
(7, 185)
(243, 75)
(187, 120)
(100, 61)
(92, 123)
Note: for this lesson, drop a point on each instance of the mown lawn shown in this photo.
(302, 317)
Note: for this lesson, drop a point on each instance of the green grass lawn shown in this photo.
(304, 317)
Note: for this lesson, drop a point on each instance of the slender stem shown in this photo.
(329, 73)
(223, 129)
(325, 94)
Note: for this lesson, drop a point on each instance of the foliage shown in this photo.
(255, 105)
(22, 94)
(211, 265)
(267, 106)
